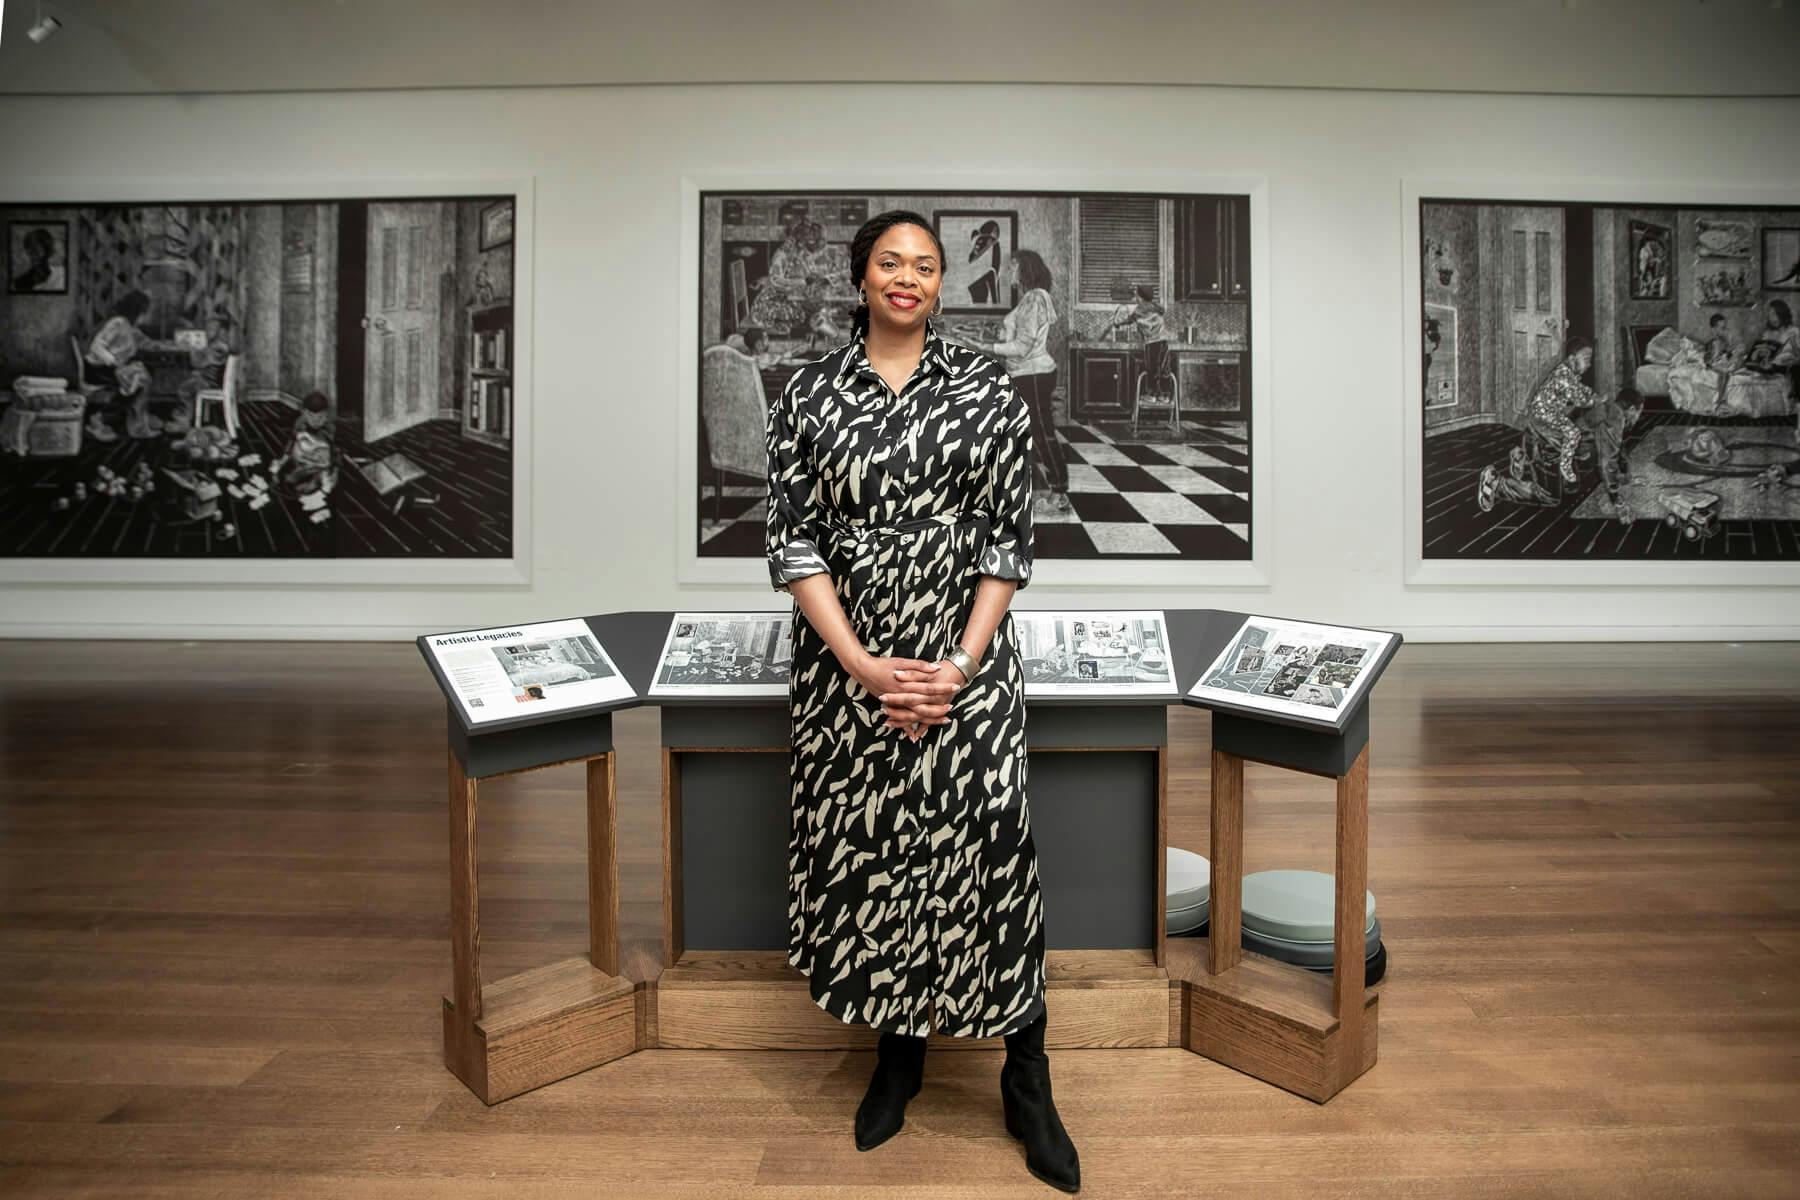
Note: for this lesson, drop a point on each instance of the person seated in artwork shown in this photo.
(753, 342)
(308, 454)
(111, 361)
(1724, 348)
(1777, 348)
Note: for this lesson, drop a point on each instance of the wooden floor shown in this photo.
(1456, 528)
(224, 918)
(461, 508)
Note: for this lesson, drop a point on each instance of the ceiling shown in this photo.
(1601, 47)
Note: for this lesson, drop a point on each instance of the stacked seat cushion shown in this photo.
(1189, 890)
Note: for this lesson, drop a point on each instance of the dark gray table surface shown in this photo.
(634, 640)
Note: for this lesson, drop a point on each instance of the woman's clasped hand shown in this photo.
(914, 694)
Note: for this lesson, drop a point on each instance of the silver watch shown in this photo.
(964, 662)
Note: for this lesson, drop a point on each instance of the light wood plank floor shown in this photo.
(223, 934)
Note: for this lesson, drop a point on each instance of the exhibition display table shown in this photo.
(1099, 804)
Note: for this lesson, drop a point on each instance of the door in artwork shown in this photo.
(400, 326)
(1532, 299)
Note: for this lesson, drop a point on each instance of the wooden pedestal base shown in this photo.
(755, 1000)
(547, 1023)
(1273, 1021)
(1307, 1033)
(540, 1026)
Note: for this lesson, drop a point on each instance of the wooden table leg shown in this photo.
(1161, 898)
(1350, 921)
(673, 942)
(1225, 943)
(465, 897)
(603, 864)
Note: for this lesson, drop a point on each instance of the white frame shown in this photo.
(382, 572)
(1102, 574)
(1635, 193)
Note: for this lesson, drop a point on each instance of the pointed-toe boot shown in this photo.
(899, 1071)
(1031, 1112)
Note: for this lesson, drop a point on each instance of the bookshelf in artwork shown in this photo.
(488, 417)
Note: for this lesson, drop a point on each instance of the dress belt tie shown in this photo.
(859, 531)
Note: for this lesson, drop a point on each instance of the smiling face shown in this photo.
(903, 278)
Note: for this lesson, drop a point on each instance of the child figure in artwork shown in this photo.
(1609, 419)
(308, 459)
(1146, 314)
(1724, 348)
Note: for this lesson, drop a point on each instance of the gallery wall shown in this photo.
(607, 164)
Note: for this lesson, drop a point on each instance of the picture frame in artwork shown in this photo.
(1439, 359)
(1652, 260)
(1781, 259)
(980, 244)
(1722, 239)
(37, 258)
(497, 225)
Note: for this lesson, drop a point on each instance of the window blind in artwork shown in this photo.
(1118, 246)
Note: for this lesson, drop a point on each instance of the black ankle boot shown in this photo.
(1031, 1113)
(899, 1071)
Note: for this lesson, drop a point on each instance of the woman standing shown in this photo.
(1023, 336)
(899, 519)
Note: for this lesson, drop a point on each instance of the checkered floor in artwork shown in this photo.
(1154, 494)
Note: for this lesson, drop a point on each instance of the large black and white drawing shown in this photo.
(1145, 369)
(1626, 380)
(274, 379)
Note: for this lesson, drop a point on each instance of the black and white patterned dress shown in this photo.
(913, 898)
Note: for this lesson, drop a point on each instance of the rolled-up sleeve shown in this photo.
(1006, 496)
(793, 506)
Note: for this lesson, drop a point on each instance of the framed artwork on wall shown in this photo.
(1781, 259)
(497, 225)
(1684, 471)
(37, 258)
(1439, 336)
(1722, 238)
(980, 244)
(1158, 493)
(1652, 261)
(267, 381)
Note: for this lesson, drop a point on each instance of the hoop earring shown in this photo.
(938, 309)
(862, 298)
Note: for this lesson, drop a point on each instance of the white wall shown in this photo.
(607, 162)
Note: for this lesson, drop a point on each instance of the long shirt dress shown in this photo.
(913, 897)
